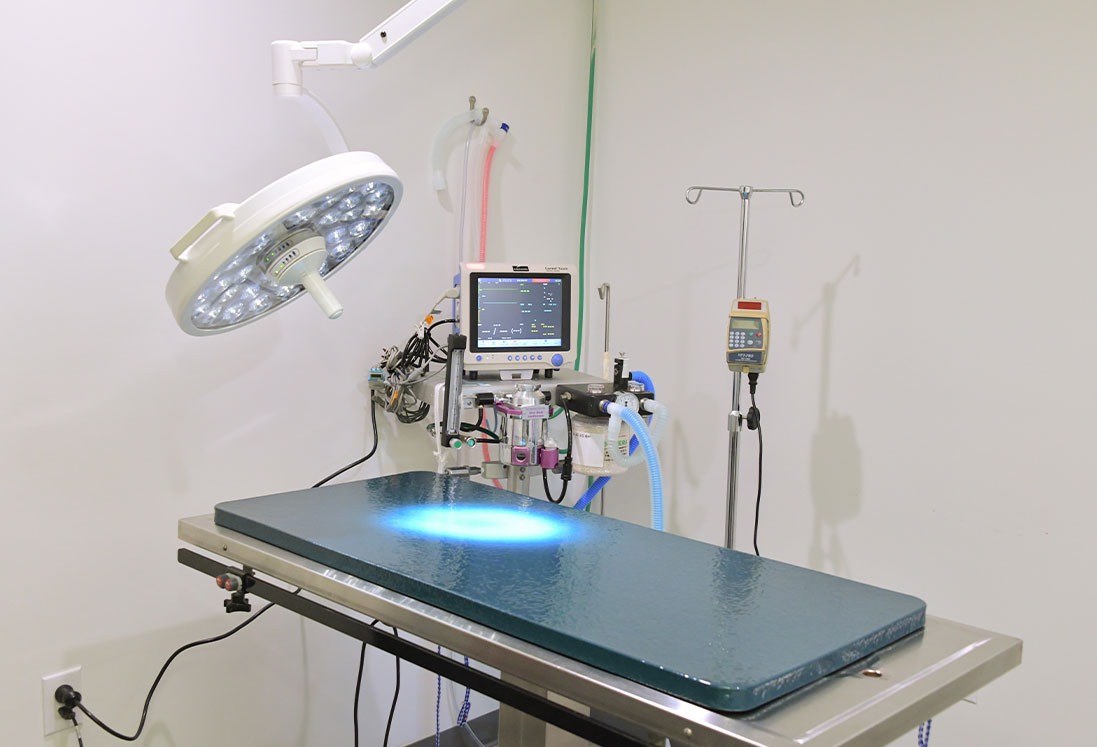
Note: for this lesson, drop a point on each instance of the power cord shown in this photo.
(754, 423)
(395, 696)
(358, 686)
(70, 699)
(565, 471)
(355, 463)
(79, 737)
(358, 689)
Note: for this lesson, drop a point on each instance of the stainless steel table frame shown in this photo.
(908, 682)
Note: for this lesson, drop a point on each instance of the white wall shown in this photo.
(123, 122)
(928, 406)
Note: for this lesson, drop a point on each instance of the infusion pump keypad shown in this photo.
(744, 333)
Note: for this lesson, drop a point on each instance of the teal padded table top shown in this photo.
(716, 627)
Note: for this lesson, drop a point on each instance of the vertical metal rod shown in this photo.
(603, 293)
(744, 226)
(734, 426)
(517, 729)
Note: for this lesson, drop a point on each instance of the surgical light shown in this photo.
(242, 261)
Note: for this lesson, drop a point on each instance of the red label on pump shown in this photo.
(751, 305)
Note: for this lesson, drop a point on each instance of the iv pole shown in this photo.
(735, 417)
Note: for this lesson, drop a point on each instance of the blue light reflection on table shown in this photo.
(487, 524)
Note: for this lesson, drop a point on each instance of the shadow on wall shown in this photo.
(836, 473)
(683, 472)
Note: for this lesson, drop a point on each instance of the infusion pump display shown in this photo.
(517, 317)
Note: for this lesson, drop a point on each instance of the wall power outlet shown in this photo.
(51, 720)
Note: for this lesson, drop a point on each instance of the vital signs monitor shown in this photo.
(518, 317)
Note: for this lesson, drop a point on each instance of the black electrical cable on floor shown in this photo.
(358, 689)
(352, 465)
(395, 695)
(148, 699)
(358, 685)
(163, 669)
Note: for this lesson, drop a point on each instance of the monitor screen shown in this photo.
(516, 311)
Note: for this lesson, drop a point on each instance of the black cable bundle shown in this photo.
(411, 364)
(419, 351)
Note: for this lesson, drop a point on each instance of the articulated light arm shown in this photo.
(241, 262)
(288, 58)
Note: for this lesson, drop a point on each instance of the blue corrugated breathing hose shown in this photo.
(651, 458)
(596, 487)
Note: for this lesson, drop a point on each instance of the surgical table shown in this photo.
(647, 636)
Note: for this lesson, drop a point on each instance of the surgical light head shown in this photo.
(242, 261)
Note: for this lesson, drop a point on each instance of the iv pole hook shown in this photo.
(795, 196)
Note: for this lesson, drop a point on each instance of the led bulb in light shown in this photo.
(240, 262)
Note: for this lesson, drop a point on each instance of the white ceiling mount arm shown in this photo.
(289, 57)
(405, 25)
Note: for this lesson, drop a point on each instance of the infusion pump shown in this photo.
(748, 335)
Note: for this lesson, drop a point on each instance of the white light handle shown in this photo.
(322, 294)
(305, 269)
(207, 231)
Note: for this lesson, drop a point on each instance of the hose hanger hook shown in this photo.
(483, 112)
